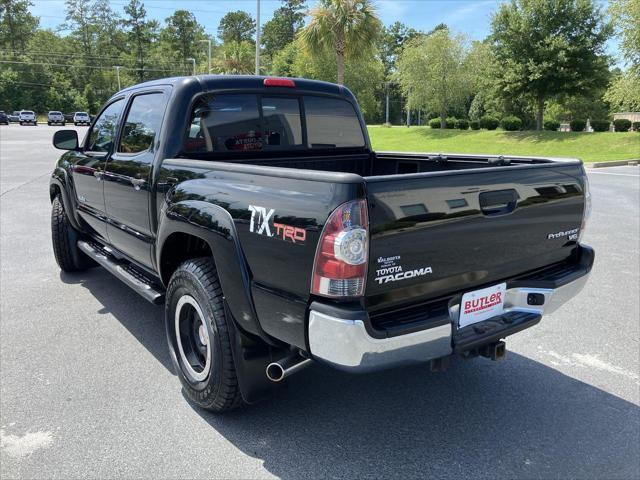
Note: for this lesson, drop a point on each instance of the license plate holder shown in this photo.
(479, 305)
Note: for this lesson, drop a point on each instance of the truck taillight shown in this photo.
(586, 213)
(340, 268)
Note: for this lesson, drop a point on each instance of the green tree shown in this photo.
(624, 92)
(363, 76)
(141, 33)
(80, 21)
(433, 75)
(16, 25)
(237, 58)
(347, 28)
(281, 30)
(626, 18)
(237, 27)
(549, 48)
(181, 36)
(392, 40)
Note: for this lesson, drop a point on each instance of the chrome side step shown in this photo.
(124, 272)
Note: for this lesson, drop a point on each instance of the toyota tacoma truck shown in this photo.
(257, 212)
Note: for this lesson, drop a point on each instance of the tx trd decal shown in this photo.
(260, 224)
(262, 220)
(570, 234)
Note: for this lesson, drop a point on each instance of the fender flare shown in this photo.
(214, 225)
(59, 181)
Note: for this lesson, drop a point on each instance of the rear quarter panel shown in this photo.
(278, 221)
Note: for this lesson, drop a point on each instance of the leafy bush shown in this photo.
(434, 123)
(462, 124)
(551, 125)
(450, 122)
(577, 125)
(622, 125)
(474, 124)
(636, 126)
(490, 123)
(600, 125)
(511, 124)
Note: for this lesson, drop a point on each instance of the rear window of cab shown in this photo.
(245, 122)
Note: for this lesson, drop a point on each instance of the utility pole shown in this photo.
(208, 42)
(118, 67)
(386, 114)
(257, 37)
(192, 60)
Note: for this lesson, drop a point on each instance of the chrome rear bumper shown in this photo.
(346, 343)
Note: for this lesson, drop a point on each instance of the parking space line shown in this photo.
(618, 174)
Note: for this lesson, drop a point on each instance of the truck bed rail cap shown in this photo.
(282, 172)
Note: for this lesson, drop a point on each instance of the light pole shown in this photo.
(208, 41)
(118, 67)
(257, 37)
(386, 116)
(192, 60)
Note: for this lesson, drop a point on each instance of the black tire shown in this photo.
(21, 123)
(197, 280)
(49, 123)
(64, 237)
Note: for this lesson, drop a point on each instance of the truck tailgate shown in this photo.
(435, 234)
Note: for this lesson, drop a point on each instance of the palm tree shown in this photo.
(346, 27)
(236, 58)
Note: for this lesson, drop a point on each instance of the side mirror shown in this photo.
(65, 139)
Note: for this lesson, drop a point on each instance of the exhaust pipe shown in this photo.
(278, 371)
(495, 351)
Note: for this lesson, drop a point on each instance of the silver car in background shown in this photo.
(55, 117)
(81, 118)
(27, 116)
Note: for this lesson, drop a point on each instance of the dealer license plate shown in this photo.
(482, 304)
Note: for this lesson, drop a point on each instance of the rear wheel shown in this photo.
(64, 237)
(198, 336)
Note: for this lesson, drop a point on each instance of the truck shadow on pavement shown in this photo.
(513, 419)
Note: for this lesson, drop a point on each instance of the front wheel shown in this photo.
(198, 336)
(64, 237)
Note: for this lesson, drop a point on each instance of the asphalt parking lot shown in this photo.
(87, 389)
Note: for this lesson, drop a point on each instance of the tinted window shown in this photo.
(249, 122)
(104, 130)
(332, 123)
(142, 123)
(225, 123)
(282, 124)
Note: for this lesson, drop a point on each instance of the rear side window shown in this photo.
(332, 123)
(142, 123)
(248, 122)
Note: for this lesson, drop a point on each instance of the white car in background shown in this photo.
(27, 116)
(81, 118)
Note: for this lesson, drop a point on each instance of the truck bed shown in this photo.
(472, 220)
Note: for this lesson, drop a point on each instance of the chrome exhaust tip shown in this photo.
(278, 371)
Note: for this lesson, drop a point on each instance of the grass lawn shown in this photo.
(590, 147)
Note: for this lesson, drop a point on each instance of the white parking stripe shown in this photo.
(618, 174)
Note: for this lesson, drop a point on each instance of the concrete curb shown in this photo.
(615, 163)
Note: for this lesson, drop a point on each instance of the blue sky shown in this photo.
(471, 17)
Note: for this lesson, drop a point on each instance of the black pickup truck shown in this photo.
(255, 209)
